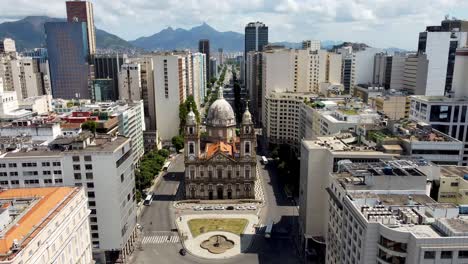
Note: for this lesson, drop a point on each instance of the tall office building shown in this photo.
(440, 43)
(67, 45)
(7, 45)
(311, 44)
(256, 37)
(204, 47)
(82, 11)
(107, 66)
(130, 82)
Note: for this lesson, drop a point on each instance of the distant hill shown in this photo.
(170, 39)
(29, 33)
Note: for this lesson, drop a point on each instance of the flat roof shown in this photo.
(47, 203)
(453, 171)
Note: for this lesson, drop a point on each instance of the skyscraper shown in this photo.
(67, 45)
(108, 66)
(82, 11)
(256, 37)
(204, 47)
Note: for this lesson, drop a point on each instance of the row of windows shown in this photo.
(32, 181)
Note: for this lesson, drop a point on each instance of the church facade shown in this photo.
(221, 165)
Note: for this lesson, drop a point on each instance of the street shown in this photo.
(157, 220)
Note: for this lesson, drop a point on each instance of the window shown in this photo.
(220, 173)
(45, 164)
(58, 181)
(90, 185)
(28, 182)
(78, 184)
(446, 254)
(93, 219)
(89, 175)
(210, 175)
(92, 203)
(30, 173)
(47, 181)
(192, 174)
(247, 173)
(3, 174)
(56, 163)
(76, 158)
(46, 172)
(77, 176)
(95, 235)
(247, 147)
(2, 165)
(463, 254)
(229, 174)
(87, 158)
(29, 164)
(121, 177)
(454, 184)
(191, 148)
(88, 166)
(94, 227)
(58, 172)
(12, 165)
(91, 195)
(429, 254)
(14, 182)
(76, 167)
(93, 211)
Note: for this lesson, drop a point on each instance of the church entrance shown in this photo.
(229, 195)
(220, 193)
(210, 195)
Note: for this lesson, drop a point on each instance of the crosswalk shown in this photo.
(160, 239)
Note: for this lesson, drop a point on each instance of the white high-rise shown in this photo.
(130, 82)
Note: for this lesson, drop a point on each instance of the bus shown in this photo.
(268, 229)
(166, 165)
(148, 200)
(264, 160)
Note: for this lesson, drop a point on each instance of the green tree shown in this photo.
(184, 109)
(89, 125)
(178, 142)
(163, 152)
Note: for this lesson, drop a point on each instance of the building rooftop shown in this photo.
(453, 171)
(440, 99)
(212, 148)
(40, 207)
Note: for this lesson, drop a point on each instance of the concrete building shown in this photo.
(256, 37)
(103, 166)
(439, 43)
(9, 107)
(102, 90)
(204, 47)
(382, 69)
(45, 225)
(254, 79)
(7, 45)
(448, 115)
(198, 78)
(358, 68)
(10, 72)
(38, 104)
(334, 67)
(171, 88)
(319, 158)
(311, 44)
(397, 71)
(460, 78)
(415, 74)
(82, 11)
(213, 68)
(31, 78)
(395, 107)
(399, 225)
(221, 165)
(130, 82)
(453, 184)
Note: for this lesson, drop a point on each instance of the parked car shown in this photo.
(219, 207)
(240, 207)
(198, 208)
(182, 251)
(251, 207)
(230, 207)
(208, 208)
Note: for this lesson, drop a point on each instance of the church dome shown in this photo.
(220, 113)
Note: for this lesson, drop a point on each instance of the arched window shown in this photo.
(191, 148)
(247, 147)
(190, 130)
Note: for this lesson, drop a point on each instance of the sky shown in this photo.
(379, 23)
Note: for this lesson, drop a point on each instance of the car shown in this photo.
(251, 207)
(240, 207)
(230, 207)
(219, 207)
(197, 208)
(183, 251)
(208, 208)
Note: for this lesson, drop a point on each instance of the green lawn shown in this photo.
(203, 225)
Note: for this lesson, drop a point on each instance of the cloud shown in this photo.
(292, 20)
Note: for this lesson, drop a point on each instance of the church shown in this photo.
(221, 164)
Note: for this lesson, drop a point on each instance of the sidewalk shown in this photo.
(241, 243)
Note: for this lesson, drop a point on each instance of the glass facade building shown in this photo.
(67, 46)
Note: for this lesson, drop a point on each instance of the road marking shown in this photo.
(160, 239)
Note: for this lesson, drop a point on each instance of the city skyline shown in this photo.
(376, 24)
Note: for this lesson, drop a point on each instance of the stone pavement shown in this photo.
(241, 243)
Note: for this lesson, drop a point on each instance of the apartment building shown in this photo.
(453, 186)
(45, 225)
(102, 165)
(198, 78)
(319, 158)
(460, 78)
(253, 64)
(399, 225)
(129, 80)
(415, 74)
(394, 107)
(358, 68)
(447, 115)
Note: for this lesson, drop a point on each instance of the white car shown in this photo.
(208, 208)
(251, 207)
(219, 207)
(240, 207)
(198, 208)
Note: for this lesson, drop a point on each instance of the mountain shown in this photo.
(170, 39)
(29, 33)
